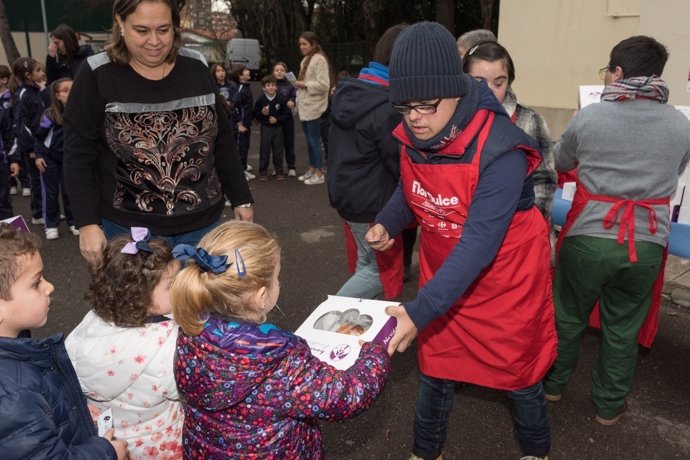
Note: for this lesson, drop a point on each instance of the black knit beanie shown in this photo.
(425, 65)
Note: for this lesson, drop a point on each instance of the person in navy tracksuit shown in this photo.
(29, 107)
(49, 150)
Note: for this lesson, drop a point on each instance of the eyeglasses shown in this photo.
(603, 70)
(424, 109)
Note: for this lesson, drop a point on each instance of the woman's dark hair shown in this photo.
(117, 49)
(120, 289)
(384, 47)
(69, 38)
(639, 56)
(490, 51)
(57, 108)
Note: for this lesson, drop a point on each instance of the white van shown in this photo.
(244, 51)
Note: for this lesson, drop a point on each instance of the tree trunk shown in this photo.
(372, 11)
(445, 14)
(487, 7)
(11, 51)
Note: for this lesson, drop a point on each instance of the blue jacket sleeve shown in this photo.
(28, 430)
(396, 215)
(491, 211)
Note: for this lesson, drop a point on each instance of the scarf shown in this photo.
(464, 112)
(630, 89)
(376, 74)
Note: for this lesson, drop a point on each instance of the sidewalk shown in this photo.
(677, 281)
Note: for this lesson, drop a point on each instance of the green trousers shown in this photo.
(591, 269)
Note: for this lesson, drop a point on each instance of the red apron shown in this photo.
(501, 332)
(650, 326)
(390, 264)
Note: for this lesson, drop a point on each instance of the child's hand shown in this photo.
(272, 120)
(14, 169)
(40, 164)
(290, 105)
(241, 128)
(120, 445)
(94, 411)
(264, 111)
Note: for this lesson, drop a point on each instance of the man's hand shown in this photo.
(378, 238)
(91, 244)
(405, 331)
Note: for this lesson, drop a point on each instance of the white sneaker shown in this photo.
(52, 234)
(74, 230)
(249, 168)
(292, 173)
(26, 192)
(38, 221)
(13, 190)
(249, 176)
(305, 176)
(315, 180)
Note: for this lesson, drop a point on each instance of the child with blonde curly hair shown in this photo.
(252, 389)
(123, 349)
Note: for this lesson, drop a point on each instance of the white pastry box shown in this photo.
(334, 328)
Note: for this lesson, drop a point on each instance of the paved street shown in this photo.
(656, 426)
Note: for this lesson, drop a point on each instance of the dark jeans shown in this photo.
(243, 146)
(289, 141)
(6, 210)
(271, 141)
(435, 402)
(111, 230)
(53, 185)
(35, 185)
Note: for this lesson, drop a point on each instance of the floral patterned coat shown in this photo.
(255, 391)
(130, 370)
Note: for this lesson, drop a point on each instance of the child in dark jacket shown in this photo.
(8, 165)
(271, 112)
(289, 94)
(242, 103)
(252, 389)
(43, 413)
(49, 145)
(29, 106)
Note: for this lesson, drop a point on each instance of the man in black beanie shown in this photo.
(484, 310)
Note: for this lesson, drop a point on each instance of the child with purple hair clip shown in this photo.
(123, 349)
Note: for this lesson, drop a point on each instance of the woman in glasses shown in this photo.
(483, 311)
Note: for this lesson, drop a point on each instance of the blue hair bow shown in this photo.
(140, 241)
(205, 261)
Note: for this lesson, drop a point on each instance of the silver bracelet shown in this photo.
(245, 205)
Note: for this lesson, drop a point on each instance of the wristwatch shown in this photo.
(245, 205)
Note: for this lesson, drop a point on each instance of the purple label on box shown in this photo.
(386, 333)
(340, 352)
(17, 222)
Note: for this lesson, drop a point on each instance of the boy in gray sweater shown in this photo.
(629, 151)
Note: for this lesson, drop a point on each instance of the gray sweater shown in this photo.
(633, 149)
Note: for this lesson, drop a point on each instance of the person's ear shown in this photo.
(618, 73)
(260, 297)
(120, 24)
